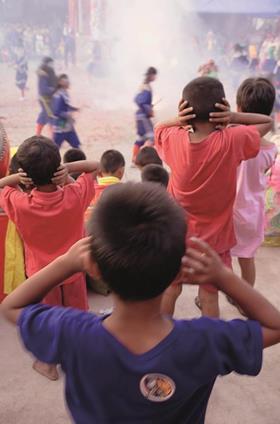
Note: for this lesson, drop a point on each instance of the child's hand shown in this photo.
(185, 113)
(201, 264)
(223, 118)
(76, 255)
(60, 176)
(24, 179)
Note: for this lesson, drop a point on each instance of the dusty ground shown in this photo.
(27, 398)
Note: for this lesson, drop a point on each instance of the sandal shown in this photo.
(198, 303)
(233, 303)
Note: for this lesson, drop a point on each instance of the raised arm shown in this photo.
(183, 119)
(82, 166)
(15, 179)
(36, 287)
(263, 123)
(202, 265)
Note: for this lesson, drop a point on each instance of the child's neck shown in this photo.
(202, 130)
(48, 188)
(139, 326)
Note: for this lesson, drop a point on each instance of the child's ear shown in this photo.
(91, 267)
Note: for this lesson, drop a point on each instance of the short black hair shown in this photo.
(39, 157)
(146, 156)
(202, 94)
(138, 239)
(111, 161)
(155, 174)
(61, 77)
(73, 155)
(256, 95)
(151, 71)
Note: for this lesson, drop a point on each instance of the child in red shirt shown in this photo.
(50, 218)
(112, 165)
(204, 164)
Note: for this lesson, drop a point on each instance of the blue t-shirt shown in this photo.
(171, 383)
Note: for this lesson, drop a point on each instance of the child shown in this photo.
(146, 156)
(49, 219)
(74, 155)
(255, 95)
(112, 166)
(203, 167)
(64, 123)
(158, 370)
(155, 174)
(144, 102)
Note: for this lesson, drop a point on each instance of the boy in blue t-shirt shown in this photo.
(136, 365)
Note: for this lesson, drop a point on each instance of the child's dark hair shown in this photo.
(73, 155)
(61, 77)
(138, 239)
(256, 95)
(202, 94)
(111, 161)
(146, 156)
(39, 157)
(155, 174)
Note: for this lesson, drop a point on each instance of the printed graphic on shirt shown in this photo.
(157, 387)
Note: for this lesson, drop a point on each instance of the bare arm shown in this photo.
(36, 287)
(263, 123)
(15, 179)
(82, 166)
(203, 265)
(10, 180)
(183, 119)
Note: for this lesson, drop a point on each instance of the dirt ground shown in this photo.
(26, 397)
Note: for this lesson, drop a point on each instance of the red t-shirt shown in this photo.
(49, 223)
(203, 177)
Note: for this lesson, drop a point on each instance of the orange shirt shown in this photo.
(49, 223)
(203, 177)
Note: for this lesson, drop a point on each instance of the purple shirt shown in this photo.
(171, 383)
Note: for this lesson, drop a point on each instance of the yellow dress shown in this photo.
(14, 269)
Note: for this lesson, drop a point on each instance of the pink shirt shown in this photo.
(249, 206)
(203, 177)
(49, 223)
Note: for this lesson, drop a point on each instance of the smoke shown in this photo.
(159, 33)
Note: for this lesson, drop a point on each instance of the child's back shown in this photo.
(204, 166)
(156, 370)
(203, 177)
(48, 221)
(112, 165)
(249, 205)
(254, 95)
(204, 163)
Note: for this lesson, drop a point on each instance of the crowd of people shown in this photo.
(73, 222)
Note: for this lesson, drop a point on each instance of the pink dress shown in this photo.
(249, 206)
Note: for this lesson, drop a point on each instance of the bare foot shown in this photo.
(47, 370)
